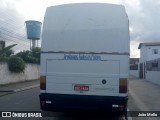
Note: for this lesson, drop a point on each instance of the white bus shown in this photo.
(84, 58)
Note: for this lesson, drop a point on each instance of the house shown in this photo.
(134, 63)
(149, 51)
(149, 58)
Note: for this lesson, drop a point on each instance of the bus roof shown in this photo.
(84, 27)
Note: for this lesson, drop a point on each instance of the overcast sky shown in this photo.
(143, 15)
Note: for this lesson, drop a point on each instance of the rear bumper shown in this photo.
(62, 102)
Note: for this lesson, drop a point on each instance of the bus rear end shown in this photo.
(83, 81)
(84, 58)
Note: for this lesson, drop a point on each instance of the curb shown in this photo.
(6, 90)
(26, 88)
(17, 90)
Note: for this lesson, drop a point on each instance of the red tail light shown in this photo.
(123, 85)
(43, 82)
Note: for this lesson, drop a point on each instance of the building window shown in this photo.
(153, 65)
(155, 51)
(134, 67)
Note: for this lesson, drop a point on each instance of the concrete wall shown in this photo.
(134, 73)
(31, 72)
(153, 76)
(143, 54)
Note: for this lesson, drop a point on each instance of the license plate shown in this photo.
(81, 88)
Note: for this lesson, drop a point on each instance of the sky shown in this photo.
(144, 19)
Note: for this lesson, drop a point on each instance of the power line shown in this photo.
(10, 17)
(27, 47)
(18, 43)
(11, 30)
(11, 37)
(12, 33)
(12, 26)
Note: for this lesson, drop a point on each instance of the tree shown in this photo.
(16, 64)
(36, 52)
(5, 52)
(32, 56)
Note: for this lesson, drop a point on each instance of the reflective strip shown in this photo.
(81, 52)
(48, 102)
(114, 105)
(118, 106)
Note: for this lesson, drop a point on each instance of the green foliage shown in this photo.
(31, 59)
(16, 64)
(36, 52)
(9, 53)
(4, 59)
(24, 55)
(32, 56)
(6, 52)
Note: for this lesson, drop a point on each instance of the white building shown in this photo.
(149, 67)
(149, 51)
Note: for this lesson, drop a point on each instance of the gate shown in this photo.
(141, 70)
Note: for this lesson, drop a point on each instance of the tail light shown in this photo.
(43, 82)
(123, 85)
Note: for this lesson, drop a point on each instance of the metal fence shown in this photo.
(134, 67)
(153, 65)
